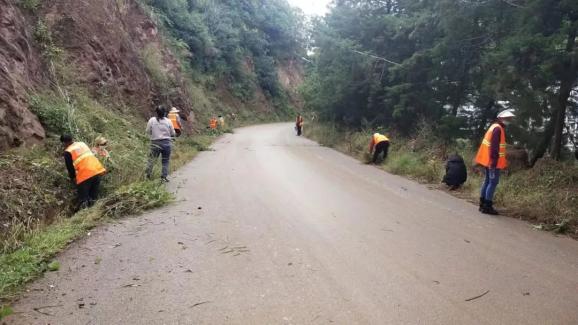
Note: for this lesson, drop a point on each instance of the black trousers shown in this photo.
(88, 191)
(383, 146)
(299, 129)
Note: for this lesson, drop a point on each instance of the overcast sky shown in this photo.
(311, 7)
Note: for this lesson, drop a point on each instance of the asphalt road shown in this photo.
(270, 228)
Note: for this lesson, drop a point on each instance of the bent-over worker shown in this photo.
(84, 170)
(379, 144)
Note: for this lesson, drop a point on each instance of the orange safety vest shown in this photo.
(213, 123)
(375, 139)
(379, 138)
(85, 163)
(483, 157)
(174, 117)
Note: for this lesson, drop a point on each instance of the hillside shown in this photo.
(98, 68)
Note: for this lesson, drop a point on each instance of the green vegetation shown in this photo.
(545, 194)
(37, 247)
(434, 74)
(31, 5)
(239, 43)
(453, 64)
(228, 55)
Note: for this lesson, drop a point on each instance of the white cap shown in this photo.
(174, 110)
(506, 114)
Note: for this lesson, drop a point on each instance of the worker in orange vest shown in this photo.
(84, 170)
(213, 123)
(492, 156)
(379, 144)
(175, 120)
(299, 124)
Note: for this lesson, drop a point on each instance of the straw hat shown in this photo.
(101, 141)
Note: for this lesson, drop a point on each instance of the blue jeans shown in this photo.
(162, 148)
(490, 183)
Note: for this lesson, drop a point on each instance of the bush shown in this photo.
(32, 5)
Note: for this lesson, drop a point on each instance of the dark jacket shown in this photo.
(456, 172)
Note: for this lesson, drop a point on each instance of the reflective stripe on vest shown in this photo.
(483, 157)
(85, 163)
(174, 117)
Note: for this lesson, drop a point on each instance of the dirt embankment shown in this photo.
(20, 68)
(103, 43)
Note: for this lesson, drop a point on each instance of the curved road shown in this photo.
(274, 229)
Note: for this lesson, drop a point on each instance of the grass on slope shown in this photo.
(37, 219)
(546, 195)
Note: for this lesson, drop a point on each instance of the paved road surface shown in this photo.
(274, 229)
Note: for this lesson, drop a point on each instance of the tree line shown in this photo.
(239, 41)
(451, 63)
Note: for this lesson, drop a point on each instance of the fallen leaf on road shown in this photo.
(116, 245)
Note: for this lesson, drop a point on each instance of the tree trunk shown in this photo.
(544, 144)
(566, 84)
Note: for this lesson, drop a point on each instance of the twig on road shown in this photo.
(480, 296)
(38, 309)
(200, 303)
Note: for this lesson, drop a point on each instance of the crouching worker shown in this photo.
(84, 170)
(379, 144)
(456, 172)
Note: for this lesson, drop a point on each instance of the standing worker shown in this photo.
(379, 143)
(175, 120)
(492, 155)
(84, 170)
(299, 124)
(161, 131)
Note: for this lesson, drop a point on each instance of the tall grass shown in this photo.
(546, 194)
(37, 210)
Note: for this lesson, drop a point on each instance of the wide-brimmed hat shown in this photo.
(506, 114)
(174, 110)
(101, 141)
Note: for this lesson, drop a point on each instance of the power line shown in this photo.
(375, 57)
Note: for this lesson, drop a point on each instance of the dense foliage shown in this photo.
(239, 41)
(451, 63)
